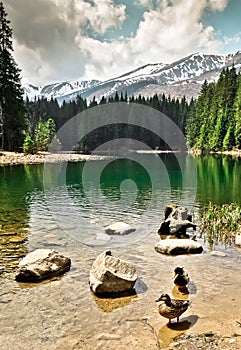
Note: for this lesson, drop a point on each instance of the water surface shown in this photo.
(63, 313)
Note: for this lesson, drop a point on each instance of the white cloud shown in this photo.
(45, 31)
(236, 39)
(165, 33)
(218, 5)
(60, 40)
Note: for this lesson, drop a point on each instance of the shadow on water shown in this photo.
(108, 303)
(169, 332)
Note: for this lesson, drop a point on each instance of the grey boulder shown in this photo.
(111, 275)
(42, 264)
(178, 246)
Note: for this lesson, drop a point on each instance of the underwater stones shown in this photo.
(42, 264)
(178, 246)
(119, 228)
(111, 275)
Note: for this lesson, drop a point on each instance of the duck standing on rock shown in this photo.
(181, 278)
(172, 308)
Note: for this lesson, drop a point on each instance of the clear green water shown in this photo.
(63, 212)
(82, 204)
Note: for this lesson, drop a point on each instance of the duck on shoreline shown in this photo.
(172, 308)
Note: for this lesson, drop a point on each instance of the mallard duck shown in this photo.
(172, 308)
(181, 278)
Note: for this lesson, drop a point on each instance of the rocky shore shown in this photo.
(12, 158)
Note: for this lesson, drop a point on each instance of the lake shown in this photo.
(67, 206)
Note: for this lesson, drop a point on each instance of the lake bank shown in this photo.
(13, 158)
(198, 152)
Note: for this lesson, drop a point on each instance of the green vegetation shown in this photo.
(41, 137)
(12, 109)
(215, 124)
(220, 223)
(176, 110)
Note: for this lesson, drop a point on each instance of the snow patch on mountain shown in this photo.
(190, 71)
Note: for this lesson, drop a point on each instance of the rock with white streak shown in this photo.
(111, 275)
(42, 264)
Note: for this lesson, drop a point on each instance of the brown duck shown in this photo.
(172, 308)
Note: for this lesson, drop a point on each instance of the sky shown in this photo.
(60, 40)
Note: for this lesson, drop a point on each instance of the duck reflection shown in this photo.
(181, 294)
(169, 332)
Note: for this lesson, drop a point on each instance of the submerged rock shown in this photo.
(178, 246)
(111, 275)
(42, 264)
(119, 228)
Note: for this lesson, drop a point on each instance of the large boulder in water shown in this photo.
(111, 275)
(42, 264)
(178, 246)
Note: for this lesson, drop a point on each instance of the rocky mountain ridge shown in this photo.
(182, 77)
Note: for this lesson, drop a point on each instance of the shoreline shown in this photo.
(233, 153)
(14, 158)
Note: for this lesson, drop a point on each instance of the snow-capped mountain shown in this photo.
(61, 91)
(183, 77)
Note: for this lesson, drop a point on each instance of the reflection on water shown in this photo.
(63, 313)
(169, 332)
(124, 190)
(110, 304)
(218, 179)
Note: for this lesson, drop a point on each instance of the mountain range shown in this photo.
(183, 77)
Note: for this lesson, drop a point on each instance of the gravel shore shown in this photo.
(12, 158)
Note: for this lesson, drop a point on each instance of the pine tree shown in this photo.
(195, 120)
(237, 114)
(11, 93)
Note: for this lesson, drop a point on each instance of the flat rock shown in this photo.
(119, 228)
(111, 275)
(178, 246)
(42, 264)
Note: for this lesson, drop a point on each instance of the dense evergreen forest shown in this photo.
(39, 111)
(215, 123)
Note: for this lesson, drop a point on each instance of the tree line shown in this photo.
(215, 123)
(40, 110)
